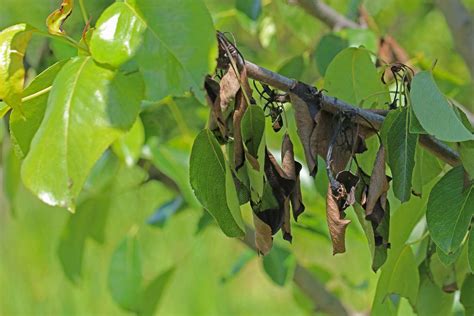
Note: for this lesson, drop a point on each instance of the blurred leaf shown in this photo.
(13, 43)
(165, 211)
(179, 47)
(102, 174)
(361, 84)
(4, 108)
(251, 8)
(362, 37)
(238, 265)
(471, 250)
(24, 124)
(432, 300)
(401, 155)
(467, 294)
(212, 182)
(204, 221)
(55, 20)
(449, 210)
(466, 150)
(279, 265)
(328, 47)
(129, 146)
(74, 144)
(153, 292)
(125, 275)
(293, 68)
(434, 112)
(11, 177)
(118, 34)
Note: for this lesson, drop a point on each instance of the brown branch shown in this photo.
(324, 301)
(367, 118)
(461, 25)
(326, 14)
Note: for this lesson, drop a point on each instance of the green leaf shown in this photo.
(212, 182)
(279, 265)
(88, 108)
(161, 216)
(448, 259)
(467, 294)
(179, 47)
(238, 265)
(401, 155)
(466, 150)
(427, 167)
(251, 8)
(129, 146)
(11, 177)
(328, 47)
(432, 300)
(153, 293)
(24, 124)
(118, 34)
(125, 274)
(4, 108)
(293, 68)
(449, 210)
(433, 111)
(360, 83)
(13, 43)
(361, 37)
(470, 250)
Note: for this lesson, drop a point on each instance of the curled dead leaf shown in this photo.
(263, 235)
(378, 181)
(240, 108)
(336, 223)
(55, 20)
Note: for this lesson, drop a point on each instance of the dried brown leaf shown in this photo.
(263, 235)
(336, 222)
(240, 108)
(378, 181)
(229, 86)
(296, 197)
(216, 119)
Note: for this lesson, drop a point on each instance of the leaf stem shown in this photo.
(84, 12)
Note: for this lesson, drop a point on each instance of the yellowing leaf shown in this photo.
(55, 20)
(13, 43)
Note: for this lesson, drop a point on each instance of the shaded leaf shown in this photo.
(238, 265)
(279, 265)
(378, 182)
(427, 167)
(125, 274)
(467, 294)
(293, 68)
(212, 182)
(470, 250)
(401, 155)
(434, 112)
(466, 151)
(251, 8)
(118, 34)
(55, 20)
(13, 43)
(74, 135)
(165, 211)
(431, 299)
(328, 47)
(450, 210)
(153, 292)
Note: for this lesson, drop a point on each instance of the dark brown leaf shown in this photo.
(296, 197)
(263, 235)
(216, 119)
(229, 86)
(378, 181)
(240, 108)
(288, 167)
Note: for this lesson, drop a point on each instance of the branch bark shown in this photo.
(326, 14)
(364, 117)
(324, 301)
(461, 24)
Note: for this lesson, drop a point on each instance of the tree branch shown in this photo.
(367, 118)
(326, 14)
(324, 301)
(461, 25)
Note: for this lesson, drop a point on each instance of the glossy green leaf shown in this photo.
(466, 151)
(467, 294)
(212, 182)
(118, 34)
(279, 265)
(125, 274)
(13, 43)
(449, 210)
(470, 250)
(153, 292)
(24, 124)
(401, 155)
(129, 146)
(328, 47)
(88, 108)
(251, 8)
(352, 77)
(434, 112)
(179, 47)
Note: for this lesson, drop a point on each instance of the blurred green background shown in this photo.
(282, 38)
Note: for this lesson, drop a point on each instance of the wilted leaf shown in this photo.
(450, 209)
(229, 86)
(296, 197)
(289, 167)
(211, 180)
(125, 274)
(263, 235)
(434, 112)
(378, 182)
(13, 43)
(153, 292)
(74, 135)
(217, 123)
(336, 222)
(240, 108)
(55, 20)
(118, 34)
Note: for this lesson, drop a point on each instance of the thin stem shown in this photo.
(84, 12)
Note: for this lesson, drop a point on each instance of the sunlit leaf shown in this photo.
(212, 182)
(129, 146)
(73, 135)
(125, 274)
(328, 47)
(118, 34)
(55, 20)
(449, 210)
(434, 112)
(13, 43)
